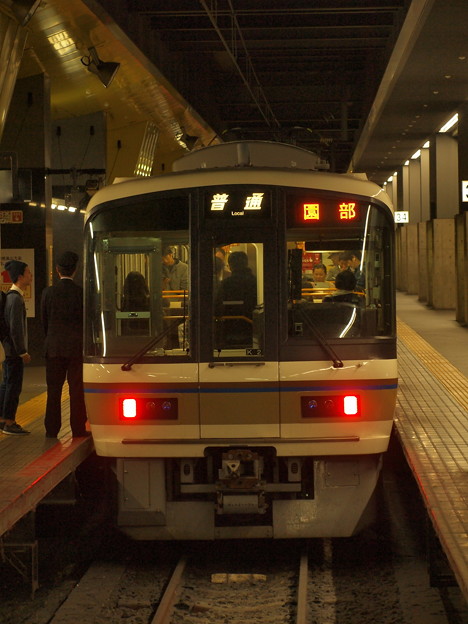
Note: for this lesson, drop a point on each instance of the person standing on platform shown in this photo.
(62, 320)
(16, 347)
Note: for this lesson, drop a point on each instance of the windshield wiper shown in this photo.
(135, 358)
(337, 362)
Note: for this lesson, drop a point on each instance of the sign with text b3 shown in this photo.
(401, 216)
(11, 216)
(464, 190)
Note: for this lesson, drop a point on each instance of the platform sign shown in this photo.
(401, 216)
(464, 190)
(24, 255)
(11, 216)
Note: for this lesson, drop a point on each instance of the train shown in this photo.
(234, 395)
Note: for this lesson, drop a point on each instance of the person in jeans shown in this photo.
(16, 347)
(62, 320)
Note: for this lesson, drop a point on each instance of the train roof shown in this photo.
(244, 162)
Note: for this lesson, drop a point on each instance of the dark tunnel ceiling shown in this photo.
(363, 84)
(296, 70)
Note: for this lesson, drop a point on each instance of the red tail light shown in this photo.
(351, 405)
(129, 408)
(330, 406)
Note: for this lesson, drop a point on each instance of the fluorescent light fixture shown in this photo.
(450, 123)
(406, 163)
(62, 43)
(390, 179)
(416, 155)
(60, 204)
(426, 144)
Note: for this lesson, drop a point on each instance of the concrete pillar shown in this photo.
(461, 220)
(395, 192)
(27, 133)
(402, 263)
(412, 259)
(462, 153)
(389, 189)
(12, 40)
(78, 150)
(441, 264)
(461, 254)
(403, 189)
(414, 191)
(422, 256)
(444, 185)
(425, 184)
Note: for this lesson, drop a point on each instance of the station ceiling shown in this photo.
(364, 83)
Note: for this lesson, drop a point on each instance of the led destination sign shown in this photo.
(237, 203)
(317, 211)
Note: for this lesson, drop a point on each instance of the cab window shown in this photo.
(238, 301)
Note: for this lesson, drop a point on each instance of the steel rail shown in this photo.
(164, 611)
(301, 614)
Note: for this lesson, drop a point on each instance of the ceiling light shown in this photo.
(62, 43)
(450, 123)
(104, 70)
(406, 163)
(416, 154)
(426, 144)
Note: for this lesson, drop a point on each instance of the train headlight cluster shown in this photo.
(148, 408)
(330, 406)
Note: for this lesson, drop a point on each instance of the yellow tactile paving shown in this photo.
(33, 409)
(448, 375)
(432, 423)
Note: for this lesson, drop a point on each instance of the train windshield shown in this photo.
(138, 287)
(339, 278)
(298, 268)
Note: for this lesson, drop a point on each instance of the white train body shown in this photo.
(240, 401)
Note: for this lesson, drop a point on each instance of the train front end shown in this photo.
(236, 394)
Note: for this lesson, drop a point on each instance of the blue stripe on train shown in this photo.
(248, 390)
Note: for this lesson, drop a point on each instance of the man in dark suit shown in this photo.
(62, 320)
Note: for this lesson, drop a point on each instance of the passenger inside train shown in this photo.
(136, 302)
(235, 300)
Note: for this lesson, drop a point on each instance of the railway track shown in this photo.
(378, 576)
(317, 582)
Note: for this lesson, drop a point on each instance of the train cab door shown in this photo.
(238, 374)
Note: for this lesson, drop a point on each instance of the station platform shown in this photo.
(31, 467)
(431, 423)
(432, 420)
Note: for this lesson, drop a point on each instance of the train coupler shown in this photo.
(240, 487)
(228, 504)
